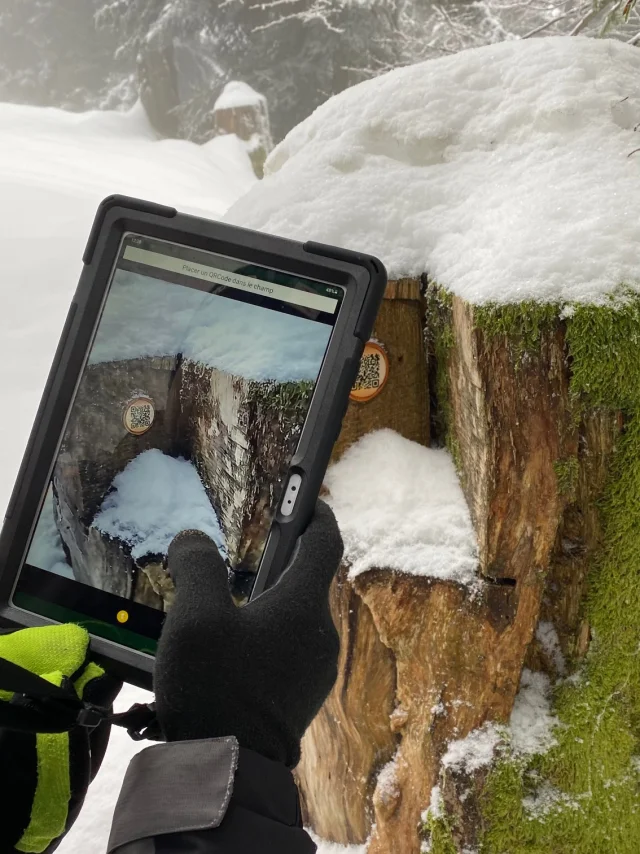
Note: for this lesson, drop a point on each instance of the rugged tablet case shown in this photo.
(364, 279)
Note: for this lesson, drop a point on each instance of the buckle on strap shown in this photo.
(91, 716)
(140, 721)
(40, 706)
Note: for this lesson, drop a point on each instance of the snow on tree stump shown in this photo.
(243, 111)
(488, 694)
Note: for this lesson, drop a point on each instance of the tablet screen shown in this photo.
(187, 414)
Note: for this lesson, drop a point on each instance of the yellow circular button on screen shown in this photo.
(122, 616)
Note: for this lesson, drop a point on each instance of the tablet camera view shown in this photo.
(187, 415)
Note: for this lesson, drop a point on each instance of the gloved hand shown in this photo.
(261, 672)
(46, 775)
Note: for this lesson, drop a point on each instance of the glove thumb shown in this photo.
(317, 556)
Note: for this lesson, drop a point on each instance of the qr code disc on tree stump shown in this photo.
(373, 373)
(139, 415)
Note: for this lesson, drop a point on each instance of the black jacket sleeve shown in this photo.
(207, 797)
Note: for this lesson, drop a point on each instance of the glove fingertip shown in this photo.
(198, 569)
(189, 546)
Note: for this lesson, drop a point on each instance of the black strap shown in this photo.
(140, 722)
(36, 705)
(40, 706)
(21, 681)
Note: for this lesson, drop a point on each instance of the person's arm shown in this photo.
(236, 688)
(47, 756)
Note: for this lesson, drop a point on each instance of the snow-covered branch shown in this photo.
(423, 32)
(323, 11)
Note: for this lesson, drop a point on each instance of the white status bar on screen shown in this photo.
(230, 280)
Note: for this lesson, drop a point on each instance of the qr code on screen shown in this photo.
(369, 373)
(140, 416)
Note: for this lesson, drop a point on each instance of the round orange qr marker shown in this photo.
(122, 616)
(373, 373)
(139, 415)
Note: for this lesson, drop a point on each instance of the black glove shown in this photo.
(261, 672)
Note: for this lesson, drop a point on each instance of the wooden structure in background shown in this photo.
(242, 111)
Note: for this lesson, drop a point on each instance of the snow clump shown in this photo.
(508, 172)
(400, 506)
(153, 499)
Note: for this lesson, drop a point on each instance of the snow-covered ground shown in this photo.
(55, 168)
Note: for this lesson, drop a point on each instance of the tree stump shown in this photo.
(350, 740)
(541, 423)
(238, 433)
(243, 111)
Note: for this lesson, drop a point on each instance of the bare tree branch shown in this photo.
(547, 24)
(612, 14)
(585, 20)
(319, 10)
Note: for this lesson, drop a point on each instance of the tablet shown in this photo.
(200, 382)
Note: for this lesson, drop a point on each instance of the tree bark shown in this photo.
(350, 740)
(158, 85)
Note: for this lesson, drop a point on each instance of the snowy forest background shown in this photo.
(178, 55)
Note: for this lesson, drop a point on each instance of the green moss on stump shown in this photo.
(290, 397)
(439, 340)
(567, 472)
(586, 789)
(523, 324)
(439, 836)
(604, 342)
